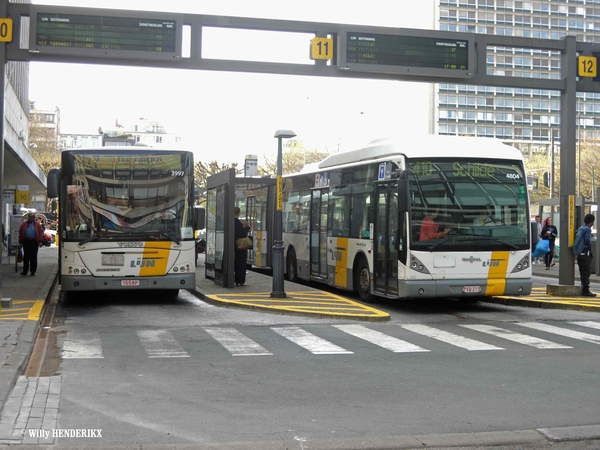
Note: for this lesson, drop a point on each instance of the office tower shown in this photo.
(525, 118)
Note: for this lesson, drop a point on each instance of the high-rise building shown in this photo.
(525, 118)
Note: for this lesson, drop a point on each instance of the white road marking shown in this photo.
(562, 332)
(236, 343)
(161, 344)
(595, 325)
(82, 345)
(524, 339)
(382, 340)
(449, 338)
(310, 342)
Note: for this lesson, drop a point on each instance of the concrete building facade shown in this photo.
(526, 118)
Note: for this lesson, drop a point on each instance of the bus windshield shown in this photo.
(128, 195)
(468, 205)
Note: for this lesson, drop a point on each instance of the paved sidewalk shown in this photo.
(19, 324)
(552, 272)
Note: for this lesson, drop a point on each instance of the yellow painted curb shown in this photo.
(321, 303)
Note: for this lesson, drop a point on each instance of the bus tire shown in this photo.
(362, 281)
(292, 266)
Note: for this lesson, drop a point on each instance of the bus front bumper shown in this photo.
(88, 283)
(456, 288)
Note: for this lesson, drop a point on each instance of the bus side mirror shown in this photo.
(403, 192)
(199, 217)
(53, 180)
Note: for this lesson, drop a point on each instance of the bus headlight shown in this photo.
(417, 265)
(521, 265)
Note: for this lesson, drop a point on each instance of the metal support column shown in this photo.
(3, 13)
(568, 107)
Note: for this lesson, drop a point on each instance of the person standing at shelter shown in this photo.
(538, 221)
(584, 259)
(241, 231)
(31, 236)
(549, 232)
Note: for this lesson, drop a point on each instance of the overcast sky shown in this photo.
(225, 115)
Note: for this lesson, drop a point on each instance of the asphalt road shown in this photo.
(179, 372)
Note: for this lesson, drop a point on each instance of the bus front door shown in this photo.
(318, 233)
(385, 240)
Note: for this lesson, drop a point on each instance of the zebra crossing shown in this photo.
(162, 343)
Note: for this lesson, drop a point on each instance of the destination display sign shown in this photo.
(416, 53)
(75, 31)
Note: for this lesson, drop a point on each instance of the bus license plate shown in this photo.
(471, 288)
(130, 282)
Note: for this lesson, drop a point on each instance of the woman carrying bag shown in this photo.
(549, 233)
(241, 254)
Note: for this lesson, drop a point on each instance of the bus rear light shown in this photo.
(76, 284)
(520, 289)
(181, 281)
(421, 291)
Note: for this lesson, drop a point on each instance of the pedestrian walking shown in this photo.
(549, 232)
(584, 258)
(31, 237)
(538, 221)
(241, 255)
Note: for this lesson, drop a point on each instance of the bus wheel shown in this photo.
(362, 281)
(292, 266)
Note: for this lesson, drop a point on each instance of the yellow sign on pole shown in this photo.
(587, 66)
(279, 193)
(571, 220)
(22, 197)
(6, 28)
(321, 48)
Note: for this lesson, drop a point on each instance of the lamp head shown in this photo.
(284, 134)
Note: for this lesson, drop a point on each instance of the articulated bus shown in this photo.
(126, 219)
(437, 216)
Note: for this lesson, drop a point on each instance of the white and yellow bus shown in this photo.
(436, 216)
(126, 219)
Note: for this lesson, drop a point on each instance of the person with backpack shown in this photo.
(583, 248)
(549, 232)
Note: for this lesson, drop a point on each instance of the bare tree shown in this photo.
(43, 145)
(293, 158)
(201, 173)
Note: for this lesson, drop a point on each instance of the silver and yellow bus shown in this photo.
(126, 219)
(434, 216)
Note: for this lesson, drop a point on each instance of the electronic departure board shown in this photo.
(422, 52)
(128, 34)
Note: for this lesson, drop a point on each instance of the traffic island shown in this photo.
(561, 290)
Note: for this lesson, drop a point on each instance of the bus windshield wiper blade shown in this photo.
(154, 233)
(92, 239)
(469, 237)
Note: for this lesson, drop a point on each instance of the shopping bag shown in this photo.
(542, 247)
(244, 243)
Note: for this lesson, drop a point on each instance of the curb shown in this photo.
(514, 301)
(283, 312)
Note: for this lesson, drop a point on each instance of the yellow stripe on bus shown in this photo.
(155, 259)
(496, 280)
(340, 253)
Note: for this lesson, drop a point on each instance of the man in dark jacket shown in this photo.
(584, 259)
(31, 236)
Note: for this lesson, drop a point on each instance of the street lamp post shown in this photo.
(278, 290)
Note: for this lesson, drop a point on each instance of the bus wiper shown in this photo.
(169, 237)
(154, 233)
(92, 239)
(469, 237)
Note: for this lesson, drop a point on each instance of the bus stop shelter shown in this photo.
(224, 192)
